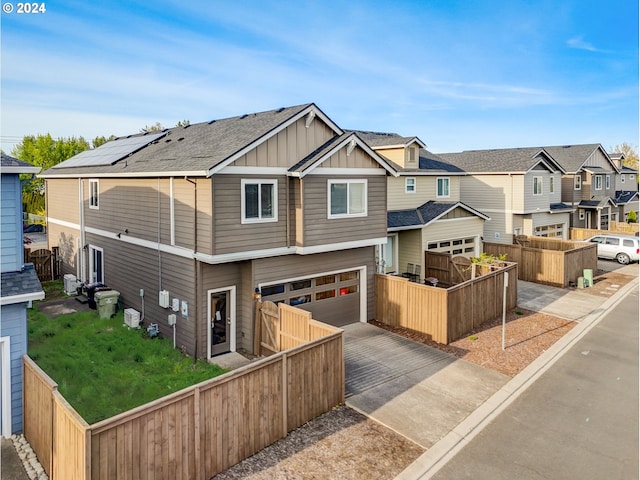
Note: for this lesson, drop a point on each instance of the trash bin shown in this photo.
(107, 302)
(91, 289)
(588, 277)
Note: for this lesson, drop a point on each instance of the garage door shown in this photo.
(550, 230)
(331, 298)
(459, 246)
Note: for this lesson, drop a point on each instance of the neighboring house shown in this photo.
(588, 184)
(195, 221)
(519, 188)
(19, 286)
(626, 189)
(424, 208)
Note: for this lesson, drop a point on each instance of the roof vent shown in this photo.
(281, 109)
(187, 126)
(212, 121)
(244, 116)
(180, 139)
(167, 140)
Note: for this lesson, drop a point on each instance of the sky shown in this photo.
(458, 74)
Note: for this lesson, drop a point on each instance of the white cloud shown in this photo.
(579, 43)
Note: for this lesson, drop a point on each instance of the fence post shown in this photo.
(285, 396)
(199, 466)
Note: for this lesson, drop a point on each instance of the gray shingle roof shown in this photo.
(424, 214)
(559, 207)
(625, 196)
(595, 202)
(197, 147)
(572, 157)
(382, 139)
(506, 160)
(12, 164)
(23, 282)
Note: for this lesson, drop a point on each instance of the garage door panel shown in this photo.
(337, 311)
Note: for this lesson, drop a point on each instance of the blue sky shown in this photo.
(459, 74)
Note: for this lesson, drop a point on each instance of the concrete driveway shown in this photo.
(418, 391)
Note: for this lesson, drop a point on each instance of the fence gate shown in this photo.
(43, 261)
(269, 327)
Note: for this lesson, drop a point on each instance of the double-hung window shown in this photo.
(410, 185)
(442, 187)
(347, 198)
(94, 193)
(259, 201)
(551, 185)
(598, 182)
(607, 182)
(537, 185)
(577, 182)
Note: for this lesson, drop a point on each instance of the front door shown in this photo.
(221, 321)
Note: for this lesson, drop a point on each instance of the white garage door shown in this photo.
(556, 230)
(331, 298)
(459, 246)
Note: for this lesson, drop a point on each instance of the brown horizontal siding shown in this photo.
(184, 199)
(62, 199)
(129, 268)
(319, 230)
(230, 235)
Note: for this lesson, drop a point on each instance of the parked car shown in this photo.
(623, 248)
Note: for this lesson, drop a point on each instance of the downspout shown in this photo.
(287, 219)
(196, 265)
(81, 254)
(158, 244)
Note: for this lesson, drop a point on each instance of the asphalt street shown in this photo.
(579, 420)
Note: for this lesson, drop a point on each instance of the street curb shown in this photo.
(436, 457)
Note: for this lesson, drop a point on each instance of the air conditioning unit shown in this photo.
(71, 284)
(132, 317)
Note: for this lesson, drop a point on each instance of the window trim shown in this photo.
(348, 182)
(577, 182)
(552, 186)
(258, 181)
(597, 182)
(537, 182)
(92, 264)
(448, 182)
(607, 182)
(406, 185)
(94, 199)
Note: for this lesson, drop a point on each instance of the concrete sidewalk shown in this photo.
(557, 304)
(11, 467)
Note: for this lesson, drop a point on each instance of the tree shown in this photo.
(630, 154)
(156, 127)
(101, 140)
(632, 217)
(45, 152)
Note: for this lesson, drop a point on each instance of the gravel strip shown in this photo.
(29, 460)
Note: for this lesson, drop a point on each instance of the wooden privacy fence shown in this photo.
(44, 261)
(584, 233)
(445, 314)
(195, 433)
(281, 326)
(547, 260)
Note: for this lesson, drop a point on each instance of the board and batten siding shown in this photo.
(288, 146)
(230, 234)
(14, 325)
(129, 268)
(319, 229)
(426, 190)
(11, 249)
(62, 196)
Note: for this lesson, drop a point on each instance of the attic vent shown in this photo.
(212, 121)
(310, 118)
(281, 109)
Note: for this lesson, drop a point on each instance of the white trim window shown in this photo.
(346, 198)
(537, 185)
(577, 182)
(598, 182)
(259, 201)
(607, 182)
(551, 184)
(410, 185)
(442, 187)
(94, 194)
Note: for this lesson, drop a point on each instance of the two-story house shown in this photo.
(424, 208)
(626, 189)
(588, 183)
(193, 222)
(519, 188)
(18, 287)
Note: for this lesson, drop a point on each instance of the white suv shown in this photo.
(623, 248)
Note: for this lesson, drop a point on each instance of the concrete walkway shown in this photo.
(11, 467)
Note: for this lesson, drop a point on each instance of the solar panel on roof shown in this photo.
(110, 152)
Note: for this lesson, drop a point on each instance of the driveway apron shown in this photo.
(420, 392)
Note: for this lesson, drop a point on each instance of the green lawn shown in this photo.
(104, 368)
